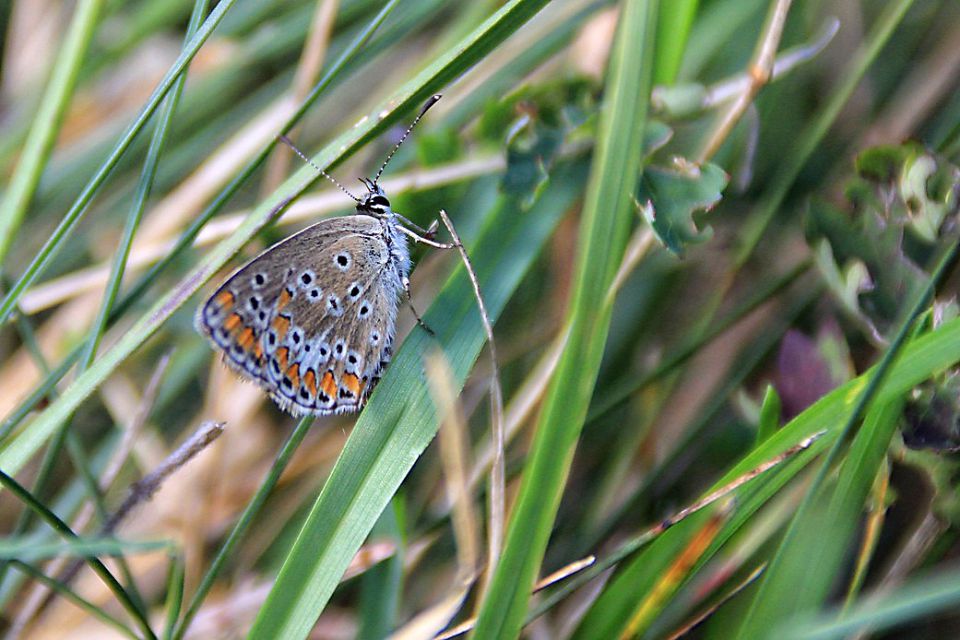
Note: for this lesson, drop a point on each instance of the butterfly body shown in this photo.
(311, 319)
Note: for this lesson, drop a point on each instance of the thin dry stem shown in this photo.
(41, 596)
(454, 454)
(143, 489)
(699, 618)
(497, 471)
(564, 572)
(759, 71)
(736, 483)
(560, 574)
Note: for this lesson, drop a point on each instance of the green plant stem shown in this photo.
(64, 434)
(64, 530)
(51, 455)
(186, 239)
(174, 594)
(923, 300)
(75, 598)
(79, 207)
(603, 233)
(698, 341)
(243, 523)
(46, 125)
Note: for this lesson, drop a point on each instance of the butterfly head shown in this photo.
(374, 202)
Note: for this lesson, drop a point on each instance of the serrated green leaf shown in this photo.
(670, 197)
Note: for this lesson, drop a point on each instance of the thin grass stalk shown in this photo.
(809, 140)
(79, 207)
(186, 239)
(80, 463)
(46, 126)
(603, 235)
(787, 172)
(67, 533)
(175, 580)
(65, 435)
(757, 611)
(691, 435)
(693, 346)
(243, 523)
(72, 596)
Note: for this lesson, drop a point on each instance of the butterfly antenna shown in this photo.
(287, 141)
(432, 101)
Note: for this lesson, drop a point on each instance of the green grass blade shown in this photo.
(144, 186)
(924, 357)
(673, 26)
(606, 217)
(175, 579)
(64, 530)
(399, 422)
(447, 67)
(776, 596)
(243, 523)
(71, 595)
(46, 124)
(29, 550)
(186, 239)
(80, 205)
(916, 600)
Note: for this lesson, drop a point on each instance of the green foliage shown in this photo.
(669, 197)
(791, 383)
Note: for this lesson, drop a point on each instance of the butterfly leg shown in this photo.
(428, 233)
(427, 241)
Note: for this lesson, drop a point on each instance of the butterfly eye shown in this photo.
(380, 202)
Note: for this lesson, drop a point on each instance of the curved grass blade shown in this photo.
(606, 217)
(79, 207)
(399, 421)
(46, 126)
(187, 237)
(449, 65)
(924, 357)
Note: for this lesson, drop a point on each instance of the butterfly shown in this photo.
(311, 320)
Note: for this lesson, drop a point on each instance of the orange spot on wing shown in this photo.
(294, 374)
(233, 322)
(284, 299)
(282, 354)
(257, 350)
(329, 385)
(310, 381)
(352, 382)
(281, 324)
(224, 299)
(246, 338)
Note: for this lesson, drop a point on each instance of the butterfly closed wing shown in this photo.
(311, 319)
